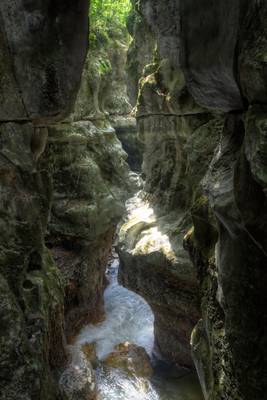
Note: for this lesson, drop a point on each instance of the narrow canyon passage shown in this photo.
(129, 319)
(133, 207)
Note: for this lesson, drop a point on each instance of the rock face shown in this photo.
(153, 261)
(179, 138)
(131, 359)
(126, 131)
(62, 194)
(202, 118)
(77, 382)
(206, 85)
(37, 87)
(140, 52)
(103, 84)
(91, 184)
(44, 55)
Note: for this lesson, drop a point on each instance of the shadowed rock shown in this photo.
(43, 47)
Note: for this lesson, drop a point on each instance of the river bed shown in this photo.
(130, 319)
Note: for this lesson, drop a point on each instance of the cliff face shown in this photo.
(88, 200)
(62, 190)
(91, 184)
(179, 138)
(201, 112)
(194, 245)
(35, 42)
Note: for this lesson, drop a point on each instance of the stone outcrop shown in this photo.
(103, 83)
(202, 119)
(91, 185)
(126, 131)
(62, 193)
(179, 138)
(38, 86)
(140, 52)
(153, 261)
(206, 85)
(77, 382)
(131, 359)
(43, 55)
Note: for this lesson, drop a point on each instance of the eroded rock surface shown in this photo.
(91, 185)
(77, 382)
(126, 131)
(42, 54)
(153, 261)
(37, 87)
(92, 181)
(205, 85)
(202, 119)
(131, 359)
(62, 194)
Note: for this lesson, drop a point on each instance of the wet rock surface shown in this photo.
(89, 187)
(77, 382)
(178, 138)
(92, 181)
(120, 349)
(131, 358)
(35, 42)
(57, 181)
(220, 185)
(201, 116)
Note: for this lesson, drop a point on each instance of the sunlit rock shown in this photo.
(91, 183)
(153, 260)
(89, 350)
(77, 382)
(130, 358)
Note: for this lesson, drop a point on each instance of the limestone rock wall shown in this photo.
(37, 87)
(210, 76)
(103, 90)
(92, 181)
(91, 184)
(140, 51)
(178, 137)
(104, 98)
(62, 191)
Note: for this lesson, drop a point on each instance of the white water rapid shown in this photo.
(129, 318)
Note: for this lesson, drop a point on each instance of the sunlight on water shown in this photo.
(114, 385)
(128, 318)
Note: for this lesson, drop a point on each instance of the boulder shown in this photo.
(131, 358)
(77, 382)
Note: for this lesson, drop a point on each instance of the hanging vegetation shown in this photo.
(108, 19)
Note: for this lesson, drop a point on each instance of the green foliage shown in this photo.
(108, 20)
(104, 66)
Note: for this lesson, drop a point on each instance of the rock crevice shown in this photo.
(201, 113)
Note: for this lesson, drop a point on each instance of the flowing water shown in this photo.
(129, 318)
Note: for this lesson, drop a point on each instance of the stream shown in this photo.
(129, 318)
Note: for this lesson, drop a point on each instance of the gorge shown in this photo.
(152, 141)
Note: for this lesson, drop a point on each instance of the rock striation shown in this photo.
(62, 184)
(194, 243)
(91, 184)
(92, 181)
(37, 87)
(178, 138)
(201, 113)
